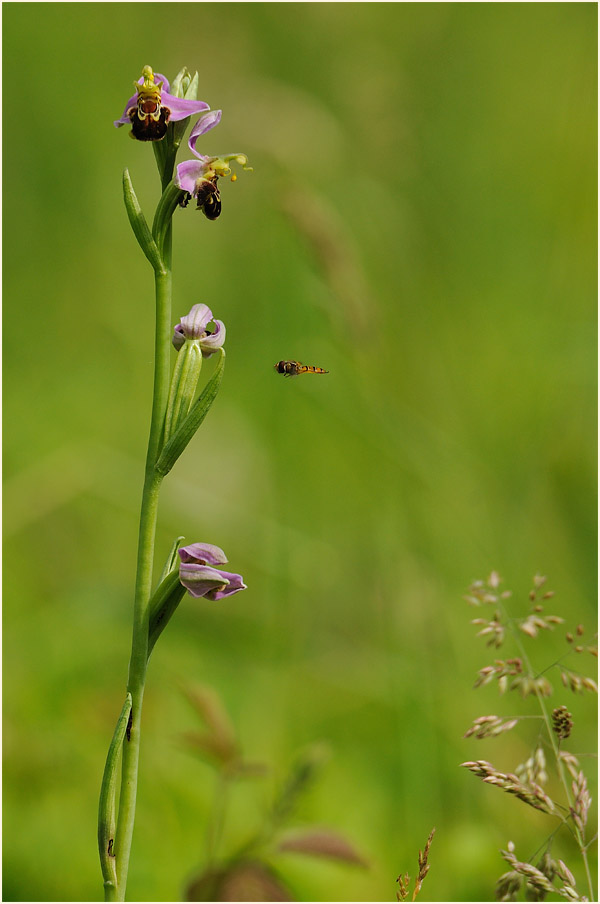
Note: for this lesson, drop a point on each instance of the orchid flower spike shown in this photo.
(152, 108)
(199, 178)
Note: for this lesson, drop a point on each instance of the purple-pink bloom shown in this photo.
(199, 576)
(198, 178)
(151, 108)
(193, 327)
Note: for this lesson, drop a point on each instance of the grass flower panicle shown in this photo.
(538, 881)
(561, 722)
(529, 793)
(403, 881)
(518, 674)
(489, 727)
(533, 770)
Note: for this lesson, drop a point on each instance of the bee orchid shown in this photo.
(198, 574)
(152, 108)
(199, 178)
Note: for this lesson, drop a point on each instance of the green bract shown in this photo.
(185, 431)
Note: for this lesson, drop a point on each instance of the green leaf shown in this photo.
(175, 446)
(139, 224)
(318, 842)
(239, 880)
(107, 809)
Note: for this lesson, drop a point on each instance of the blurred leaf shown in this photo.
(210, 746)
(245, 881)
(301, 775)
(322, 843)
(205, 887)
(220, 742)
(245, 769)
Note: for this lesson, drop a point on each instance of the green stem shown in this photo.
(136, 681)
(143, 588)
(216, 822)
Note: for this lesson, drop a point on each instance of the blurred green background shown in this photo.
(420, 222)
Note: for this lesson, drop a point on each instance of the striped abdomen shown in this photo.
(293, 368)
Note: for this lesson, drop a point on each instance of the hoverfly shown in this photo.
(294, 368)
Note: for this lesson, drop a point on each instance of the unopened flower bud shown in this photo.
(181, 83)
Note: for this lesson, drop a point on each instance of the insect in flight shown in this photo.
(294, 368)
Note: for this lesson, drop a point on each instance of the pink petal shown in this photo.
(203, 554)
(188, 174)
(204, 124)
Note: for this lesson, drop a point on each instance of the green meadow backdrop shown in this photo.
(420, 222)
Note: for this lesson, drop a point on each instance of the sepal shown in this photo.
(191, 92)
(185, 85)
(180, 83)
(185, 431)
(139, 224)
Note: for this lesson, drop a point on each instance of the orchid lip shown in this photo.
(176, 108)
